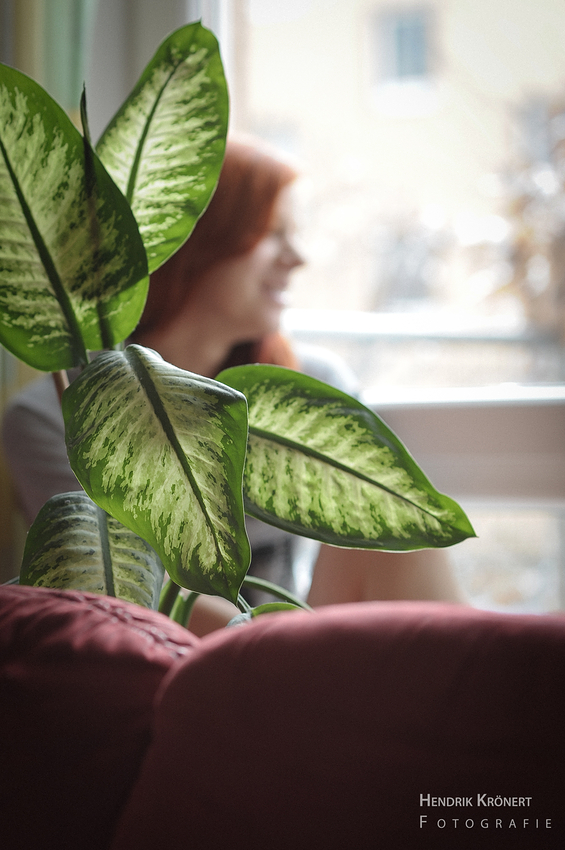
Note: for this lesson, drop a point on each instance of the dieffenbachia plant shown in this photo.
(164, 147)
(321, 464)
(170, 461)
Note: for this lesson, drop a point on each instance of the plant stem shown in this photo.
(275, 590)
(168, 597)
(243, 605)
(61, 381)
(182, 608)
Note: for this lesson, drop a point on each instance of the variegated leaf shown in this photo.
(321, 464)
(73, 271)
(74, 545)
(165, 146)
(163, 451)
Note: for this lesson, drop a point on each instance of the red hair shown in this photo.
(237, 218)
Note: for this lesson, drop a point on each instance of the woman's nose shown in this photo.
(292, 256)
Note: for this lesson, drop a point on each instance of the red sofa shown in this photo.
(360, 726)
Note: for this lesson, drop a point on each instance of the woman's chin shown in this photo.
(271, 320)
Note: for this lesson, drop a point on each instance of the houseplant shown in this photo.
(170, 461)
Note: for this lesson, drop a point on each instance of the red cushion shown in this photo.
(78, 676)
(323, 730)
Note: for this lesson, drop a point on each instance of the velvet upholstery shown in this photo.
(78, 675)
(120, 730)
(323, 730)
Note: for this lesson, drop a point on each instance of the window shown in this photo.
(421, 178)
(403, 45)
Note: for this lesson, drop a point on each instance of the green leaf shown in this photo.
(163, 450)
(75, 545)
(73, 270)
(322, 465)
(274, 608)
(165, 146)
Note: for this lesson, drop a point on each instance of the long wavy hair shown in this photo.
(238, 216)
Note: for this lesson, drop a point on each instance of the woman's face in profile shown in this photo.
(249, 291)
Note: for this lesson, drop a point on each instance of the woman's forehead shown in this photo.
(284, 206)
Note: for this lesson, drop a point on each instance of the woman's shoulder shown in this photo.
(33, 441)
(38, 398)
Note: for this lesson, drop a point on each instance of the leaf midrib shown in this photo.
(144, 378)
(313, 453)
(129, 193)
(102, 519)
(48, 264)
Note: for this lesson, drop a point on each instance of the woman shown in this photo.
(217, 303)
(218, 300)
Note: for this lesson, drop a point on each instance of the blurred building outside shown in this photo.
(431, 137)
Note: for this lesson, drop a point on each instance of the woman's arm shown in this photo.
(33, 441)
(358, 575)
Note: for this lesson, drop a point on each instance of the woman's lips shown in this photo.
(278, 296)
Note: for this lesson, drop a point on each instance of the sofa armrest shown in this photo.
(338, 729)
(78, 676)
